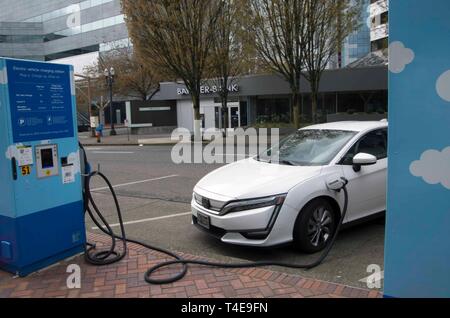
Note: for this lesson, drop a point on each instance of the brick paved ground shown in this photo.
(125, 280)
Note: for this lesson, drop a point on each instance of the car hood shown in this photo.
(251, 178)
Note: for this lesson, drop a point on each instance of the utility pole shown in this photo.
(109, 76)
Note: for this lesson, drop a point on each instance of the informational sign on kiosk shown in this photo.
(41, 106)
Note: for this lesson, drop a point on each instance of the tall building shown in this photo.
(54, 29)
(379, 24)
(357, 44)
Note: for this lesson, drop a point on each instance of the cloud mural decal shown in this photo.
(74, 159)
(433, 167)
(443, 86)
(399, 57)
(3, 77)
(12, 152)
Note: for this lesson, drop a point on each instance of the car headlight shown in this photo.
(251, 204)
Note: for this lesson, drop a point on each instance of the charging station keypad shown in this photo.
(47, 163)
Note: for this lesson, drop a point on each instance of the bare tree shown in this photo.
(328, 23)
(99, 90)
(278, 27)
(134, 79)
(175, 37)
(97, 100)
(231, 50)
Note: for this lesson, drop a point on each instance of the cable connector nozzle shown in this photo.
(337, 184)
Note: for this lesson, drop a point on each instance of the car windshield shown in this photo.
(308, 147)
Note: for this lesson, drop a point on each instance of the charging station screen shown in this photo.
(47, 158)
(41, 100)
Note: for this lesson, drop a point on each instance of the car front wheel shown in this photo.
(315, 226)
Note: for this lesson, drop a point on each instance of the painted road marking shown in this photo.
(113, 152)
(136, 182)
(233, 155)
(93, 148)
(147, 220)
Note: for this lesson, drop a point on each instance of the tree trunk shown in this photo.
(296, 104)
(225, 115)
(314, 103)
(314, 98)
(197, 117)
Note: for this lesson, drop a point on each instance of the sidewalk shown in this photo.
(125, 280)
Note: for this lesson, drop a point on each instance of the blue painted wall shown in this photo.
(417, 258)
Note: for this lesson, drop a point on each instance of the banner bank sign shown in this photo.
(205, 90)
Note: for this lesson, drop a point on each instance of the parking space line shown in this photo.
(112, 152)
(147, 220)
(232, 155)
(136, 182)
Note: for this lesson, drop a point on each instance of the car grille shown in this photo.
(209, 204)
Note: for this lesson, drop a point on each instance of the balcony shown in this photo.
(379, 7)
(380, 32)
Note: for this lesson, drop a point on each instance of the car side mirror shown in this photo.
(363, 159)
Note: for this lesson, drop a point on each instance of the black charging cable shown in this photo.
(109, 256)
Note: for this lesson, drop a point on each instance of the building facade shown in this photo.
(345, 94)
(54, 29)
(50, 30)
(357, 44)
(379, 24)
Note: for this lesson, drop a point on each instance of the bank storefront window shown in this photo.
(275, 110)
(243, 108)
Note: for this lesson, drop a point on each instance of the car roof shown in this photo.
(350, 125)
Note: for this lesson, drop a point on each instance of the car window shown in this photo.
(374, 143)
(308, 147)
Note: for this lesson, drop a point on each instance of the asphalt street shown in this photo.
(154, 195)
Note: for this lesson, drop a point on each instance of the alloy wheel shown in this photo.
(320, 226)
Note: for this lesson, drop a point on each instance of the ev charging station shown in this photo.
(41, 200)
(41, 204)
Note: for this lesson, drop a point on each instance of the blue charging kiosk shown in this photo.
(417, 254)
(41, 205)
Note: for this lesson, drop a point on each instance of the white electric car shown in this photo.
(283, 195)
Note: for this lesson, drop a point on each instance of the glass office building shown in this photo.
(379, 24)
(357, 45)
(54, 29)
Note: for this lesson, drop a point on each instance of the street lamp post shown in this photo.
(109, 77)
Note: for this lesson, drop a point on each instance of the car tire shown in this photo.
(315, 226)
